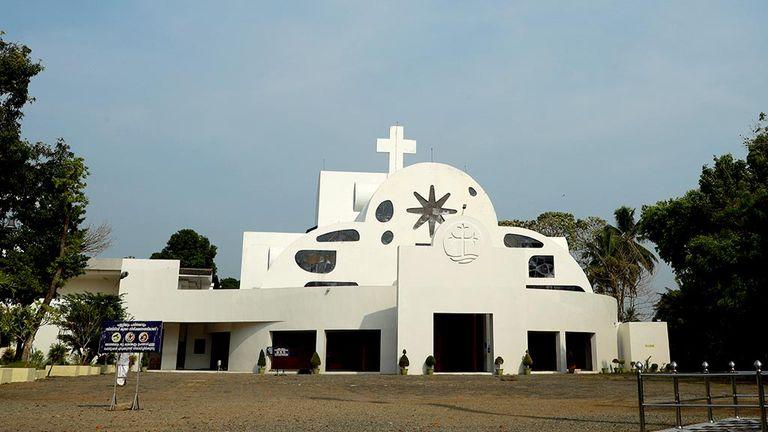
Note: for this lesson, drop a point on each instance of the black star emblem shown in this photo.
(431, 210)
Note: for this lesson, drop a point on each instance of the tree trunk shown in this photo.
(19, 349)
(50, 295)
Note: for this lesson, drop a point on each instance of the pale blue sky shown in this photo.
(217, 116)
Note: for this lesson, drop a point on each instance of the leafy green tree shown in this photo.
(578, 232)
(230, 283)
(57, 354)
(618, 263)
(42, 202)
(16, 320)
(81, 316)
(192, 249)
(715, 237)
(16, 71)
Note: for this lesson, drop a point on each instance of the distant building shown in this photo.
(409, 259)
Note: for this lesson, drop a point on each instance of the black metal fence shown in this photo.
(733, 397)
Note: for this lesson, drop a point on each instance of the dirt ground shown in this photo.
(237, 402)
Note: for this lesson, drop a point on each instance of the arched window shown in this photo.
(541, 266)
(316, 261)
(347, 235)
(521, 241)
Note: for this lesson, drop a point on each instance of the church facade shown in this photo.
(411, 259)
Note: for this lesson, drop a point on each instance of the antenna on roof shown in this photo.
(431, 154)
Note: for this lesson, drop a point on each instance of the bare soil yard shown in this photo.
(237, 402)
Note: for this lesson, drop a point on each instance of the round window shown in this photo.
(387, 237)
(384, 211)
(472, 191)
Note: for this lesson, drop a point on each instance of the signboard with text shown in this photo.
(277, 352)
(131, 336)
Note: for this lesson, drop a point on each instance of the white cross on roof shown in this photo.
(396, 145)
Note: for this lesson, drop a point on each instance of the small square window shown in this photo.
(199, 346)
(541, 266)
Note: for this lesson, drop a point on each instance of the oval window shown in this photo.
(521, 241)
(339, 236)
(472, 191)
(384, 211)
(387, 237)
(316, 261)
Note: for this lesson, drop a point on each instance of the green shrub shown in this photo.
(430, 361)
(527, 359)
(57, 353)
(8, 356)
(36, 359)
(404, 363)
(315, 360)
(499, 361)
(262, 359)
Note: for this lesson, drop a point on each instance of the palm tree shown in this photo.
(618, 262)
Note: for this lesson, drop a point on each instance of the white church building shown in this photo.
(412, 258)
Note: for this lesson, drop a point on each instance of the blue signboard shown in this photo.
(131, 336)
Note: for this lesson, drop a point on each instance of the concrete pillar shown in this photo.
(562, 360)
(170, 346)
(320, 347)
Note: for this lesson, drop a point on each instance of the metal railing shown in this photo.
(678, 404)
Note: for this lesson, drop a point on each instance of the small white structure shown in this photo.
(409, 259)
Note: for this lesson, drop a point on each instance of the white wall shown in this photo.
(252, 314)
(639, 340)
(336, 192)
(429, 282)
(260, 250)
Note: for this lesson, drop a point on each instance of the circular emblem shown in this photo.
(143, 337)
(462, 243)
(130, 337)
(116, 337)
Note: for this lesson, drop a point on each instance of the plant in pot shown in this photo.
(262, 363)
(403, 363)
(527, 363)
(315, 363)
(499, 362)
(430, 362)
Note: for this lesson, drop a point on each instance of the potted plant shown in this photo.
(262, 363)
(430, 362)
(527, 363)
(498, 362)
(315, 363)
(403, 363)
